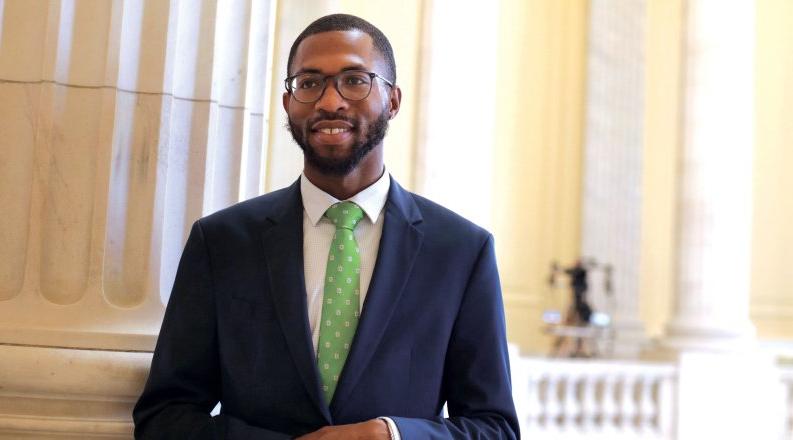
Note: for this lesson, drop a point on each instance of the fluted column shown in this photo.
(612, 202)
(711, 307)
(122, 123)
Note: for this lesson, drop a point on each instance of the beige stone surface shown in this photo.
(23, 40)
(121, 123)
(772, 245)
(69, 150)
(537, 158)
(130, 241)
(661, 154)
(16, 171)
(56, 392)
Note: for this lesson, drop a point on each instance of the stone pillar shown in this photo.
(612, 196)
(284, 158)
(711, 306)
(122, 123)
(728, 388)
(462, 136)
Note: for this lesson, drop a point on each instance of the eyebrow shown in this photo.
(344, 69)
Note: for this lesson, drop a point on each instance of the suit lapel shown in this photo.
(399, 245)
(283, 250)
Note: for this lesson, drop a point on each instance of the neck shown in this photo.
(343, 187)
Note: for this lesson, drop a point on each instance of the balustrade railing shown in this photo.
(787, 380)
(572, 399)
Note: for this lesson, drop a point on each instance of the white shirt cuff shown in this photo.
(392, 428)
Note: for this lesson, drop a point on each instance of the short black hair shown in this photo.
(346, 22)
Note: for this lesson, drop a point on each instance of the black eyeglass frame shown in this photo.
(335, 77)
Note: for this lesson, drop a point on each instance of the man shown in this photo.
(343, 306)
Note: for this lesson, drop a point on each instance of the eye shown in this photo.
(307, 82)
(356, 79)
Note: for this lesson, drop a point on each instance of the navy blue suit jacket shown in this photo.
(236, 331)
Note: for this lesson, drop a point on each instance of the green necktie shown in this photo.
(341, 298)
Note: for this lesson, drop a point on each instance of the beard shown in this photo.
(375, 134)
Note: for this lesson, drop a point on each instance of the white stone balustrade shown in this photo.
(787, 379)
(633, 400)
(576, 399)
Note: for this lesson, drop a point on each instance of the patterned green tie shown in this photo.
(340, 303)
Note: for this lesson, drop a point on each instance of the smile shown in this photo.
(333, 130)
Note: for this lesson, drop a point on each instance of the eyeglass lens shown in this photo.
(353, 86)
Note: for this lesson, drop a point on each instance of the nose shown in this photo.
(331, 100)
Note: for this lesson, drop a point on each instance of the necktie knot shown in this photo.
(345, 215)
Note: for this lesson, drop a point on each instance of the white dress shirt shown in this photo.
(317, 235)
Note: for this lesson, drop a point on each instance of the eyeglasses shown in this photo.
(353, 85)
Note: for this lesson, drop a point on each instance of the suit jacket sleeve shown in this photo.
(476, 380)
(184, 380)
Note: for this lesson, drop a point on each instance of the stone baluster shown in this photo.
(575, 393)
(560, 385)
(789, 398)
(549, 402)
(589, 402)
(666, 406)
(609, 409)
(535, 406)
(630, 403)
(648, 408)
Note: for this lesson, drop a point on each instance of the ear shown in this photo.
(285, 101)
(394, 101)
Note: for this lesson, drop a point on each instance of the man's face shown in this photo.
(334, 133)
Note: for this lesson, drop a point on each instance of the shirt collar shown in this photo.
(371, 200)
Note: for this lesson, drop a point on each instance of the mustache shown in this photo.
(331, 116)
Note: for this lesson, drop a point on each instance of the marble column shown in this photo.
(612, 182)
(710, 332)
(711, 304)
(122, 123)
(455, 142)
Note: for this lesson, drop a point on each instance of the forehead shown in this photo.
(331, 52)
